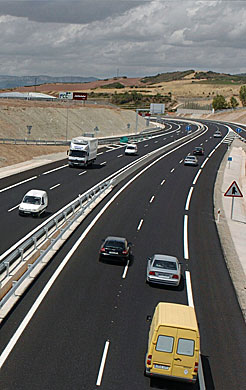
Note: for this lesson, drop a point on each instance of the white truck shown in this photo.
(83, 151)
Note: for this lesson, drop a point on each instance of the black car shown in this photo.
(198, 151)
(115, 247)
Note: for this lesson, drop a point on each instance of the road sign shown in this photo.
(29, 128)
(234, 191)
(229, 158)
(188, 127)
(124, 140)
(238, 130)
(79, 96)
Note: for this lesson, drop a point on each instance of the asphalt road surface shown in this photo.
(94, 305)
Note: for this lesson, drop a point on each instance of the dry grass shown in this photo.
(14, 154)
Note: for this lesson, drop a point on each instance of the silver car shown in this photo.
(191, 160)
(163, 269)
(217, 134)
(131, 149)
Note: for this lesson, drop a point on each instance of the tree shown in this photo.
(234, 103)
(242, 95)
(219, 102)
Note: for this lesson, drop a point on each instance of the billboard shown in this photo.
(157, 108)
(66, 95)
(73, 95)
(79, 96)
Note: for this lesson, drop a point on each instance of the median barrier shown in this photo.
(44, 243)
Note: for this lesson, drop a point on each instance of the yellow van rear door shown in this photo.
(185, 354)
(162, 360)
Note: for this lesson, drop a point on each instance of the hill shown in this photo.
(7, 82)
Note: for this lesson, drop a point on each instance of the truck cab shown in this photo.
(83, 151)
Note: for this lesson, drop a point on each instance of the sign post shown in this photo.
(233, 192)
(229, 159)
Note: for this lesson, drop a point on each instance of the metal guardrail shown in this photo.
(60, 223)
(49, 228)
(62, 220)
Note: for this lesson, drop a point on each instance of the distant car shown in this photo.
(131, 149)
(163, 269)
(191, 160)
(34, 203)
(217, 134)
(198, 151)
(115, 247)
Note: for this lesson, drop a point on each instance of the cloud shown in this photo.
(136, 37)
(66, 11)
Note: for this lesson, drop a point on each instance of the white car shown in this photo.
(191, 160)
(34, 203)
(217, 134)
(131, 149)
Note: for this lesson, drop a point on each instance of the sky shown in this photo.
(108, 38)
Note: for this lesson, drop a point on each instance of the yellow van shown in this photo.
(174, 343)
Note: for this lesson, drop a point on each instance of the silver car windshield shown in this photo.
(165, 264)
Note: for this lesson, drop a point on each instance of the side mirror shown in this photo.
(67, 152)
(148, 318)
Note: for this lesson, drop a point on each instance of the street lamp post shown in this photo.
(67, 124)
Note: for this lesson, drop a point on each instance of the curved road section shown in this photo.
(83, 324)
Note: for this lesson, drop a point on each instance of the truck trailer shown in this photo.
(82, 152)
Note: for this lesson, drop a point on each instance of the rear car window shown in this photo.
(165, 264)
(164, 344)
(186, 347)
(115, 244)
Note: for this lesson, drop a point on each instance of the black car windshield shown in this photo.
(165, 264)
(32, 200)
(115, 244)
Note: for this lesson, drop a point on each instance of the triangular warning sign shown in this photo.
(234, 191)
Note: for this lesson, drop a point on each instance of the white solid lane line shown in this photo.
(56, 169)
(204, 162)
(103, 361)
(189, 289)
(13, 208)
(57, 185)
(197, 175)
(187, 205)
(18, 184)
(151, 200)
(140, 224)
(82, 173)
(210, 154)
(125, 270)
(191, 303)
(186, 249)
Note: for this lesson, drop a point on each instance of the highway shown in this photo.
(90, 330)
